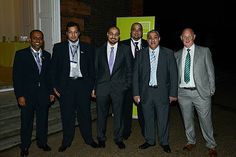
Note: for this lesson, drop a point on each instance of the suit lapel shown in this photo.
(117, 58)
(196, 54)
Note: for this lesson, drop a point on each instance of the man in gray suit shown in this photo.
(113, 74)
(154, 88)
(196, 82)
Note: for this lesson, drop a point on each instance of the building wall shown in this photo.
(95, 17)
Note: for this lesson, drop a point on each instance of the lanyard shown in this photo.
(73, 53)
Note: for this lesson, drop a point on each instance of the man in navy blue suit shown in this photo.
(32, 90)
(72, 74)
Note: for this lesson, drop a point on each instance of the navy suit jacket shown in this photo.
(26, 77)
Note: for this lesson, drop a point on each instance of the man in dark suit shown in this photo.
(30, 76)
(135, 43)
(154, 88)
(113, 77)
(72, 75)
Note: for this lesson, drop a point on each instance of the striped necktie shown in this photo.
(153, 72)
(37, 54)
(187, 67)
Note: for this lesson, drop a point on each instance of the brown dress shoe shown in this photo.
(189, 147)
(212, 152)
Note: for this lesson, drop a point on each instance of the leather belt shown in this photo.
(76, 78)
(189, 88)
(155, 86)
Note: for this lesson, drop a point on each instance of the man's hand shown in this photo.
(171, 99)
(137, 99)
(21, 101)
(93, 94)
(56, 92)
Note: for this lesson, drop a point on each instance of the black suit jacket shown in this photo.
(60, 68)
(26, 77)
(121, 76)
(127, 42)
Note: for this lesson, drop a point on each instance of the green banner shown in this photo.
(124, 24)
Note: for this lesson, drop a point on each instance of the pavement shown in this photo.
(224, 123)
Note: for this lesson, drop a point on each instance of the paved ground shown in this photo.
(224, 121)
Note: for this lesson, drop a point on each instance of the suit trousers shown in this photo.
(156, 110)
(39, 105)
(189, 100)
(75, 102)
(103, 104)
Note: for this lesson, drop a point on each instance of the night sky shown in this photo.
(211, 21)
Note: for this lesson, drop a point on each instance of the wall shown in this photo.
(16, 18)
(96, 16)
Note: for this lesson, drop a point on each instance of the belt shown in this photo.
(155, 86)
(76, 78)
(189, 88)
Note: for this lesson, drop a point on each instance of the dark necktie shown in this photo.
(187, 67)
(111, 59)
(74, 52)
(136, 48)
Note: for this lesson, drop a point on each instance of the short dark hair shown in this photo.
(72, 24)
(36, 30)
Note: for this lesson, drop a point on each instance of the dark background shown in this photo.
(212, 22)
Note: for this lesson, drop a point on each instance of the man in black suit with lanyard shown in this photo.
(32, 90)
(135, 42)
(72, 75)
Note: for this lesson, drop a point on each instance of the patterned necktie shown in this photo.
(153, 64)
(74, 52)
(38, 60)
(111, 59)
(136, 48)
(187, 67)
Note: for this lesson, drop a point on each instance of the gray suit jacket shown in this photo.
(203, 70)
(166, 74)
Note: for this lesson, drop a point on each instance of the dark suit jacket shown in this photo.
(166, 74)
(60, 69)
(127, 42)
(26, 77)
(120, 79)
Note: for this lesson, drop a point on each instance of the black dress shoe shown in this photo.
(24, 152)
(62, 148)
(45, 147)
(101, 144)
(166, 148)
(120, 144)
(145, 145)
(93, 144)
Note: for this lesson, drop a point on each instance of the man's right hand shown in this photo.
(21, 101)
(56, 92)
(137, 99)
